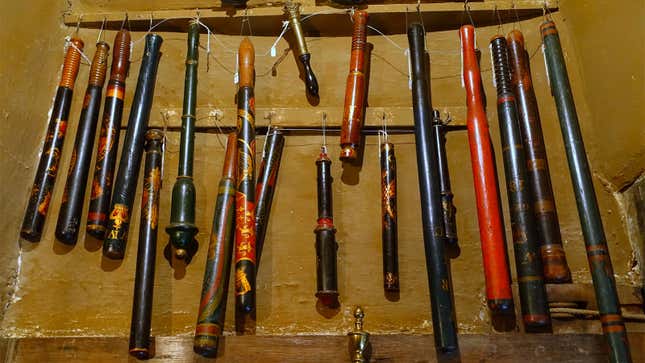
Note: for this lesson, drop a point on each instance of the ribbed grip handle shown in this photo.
(501, 66)
(121, 56)
(71, 64)
(359, 34)
(99, 65)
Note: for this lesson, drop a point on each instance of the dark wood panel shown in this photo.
(585, 348)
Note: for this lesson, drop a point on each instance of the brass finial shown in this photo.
(358, 339)
(358, 315)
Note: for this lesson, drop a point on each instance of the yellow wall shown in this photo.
(610, 47)
(28, 77)
(74, 291)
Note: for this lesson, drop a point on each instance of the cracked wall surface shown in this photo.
(74, 292)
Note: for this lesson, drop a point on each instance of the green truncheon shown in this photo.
(182, 229)
(602, 271)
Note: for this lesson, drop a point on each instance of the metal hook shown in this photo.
(546, 13)
(467, 11)
(448, 118)
(98, 39)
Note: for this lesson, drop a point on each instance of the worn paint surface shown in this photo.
(75, 292)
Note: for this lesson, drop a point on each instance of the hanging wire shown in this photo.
(247, 20)
(268, 116)
(215, 115)
(497, 17)
(78, 24)
(517, 16)
(164, 117)
(69, 43)
(386, 37)
(467, 13)
(383, 133)
(125, 20)
(425, 39)
(341, 11)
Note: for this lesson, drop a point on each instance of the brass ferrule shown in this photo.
(292, 10)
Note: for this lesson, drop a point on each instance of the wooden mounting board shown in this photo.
(267, 21)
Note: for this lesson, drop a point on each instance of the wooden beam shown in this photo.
(267, 21)
(499, 348)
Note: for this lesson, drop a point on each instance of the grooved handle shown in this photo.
(350, 133)
(533, 299)
(41, 190)
(72, 63)
(69, 217)
(121, 56)
(106, 153)
(99, 65)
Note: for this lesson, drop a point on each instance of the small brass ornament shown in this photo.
(359, 339)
